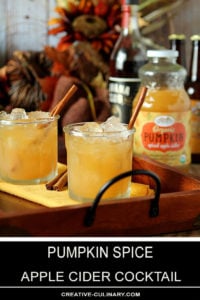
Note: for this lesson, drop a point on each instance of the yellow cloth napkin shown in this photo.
(39, 194)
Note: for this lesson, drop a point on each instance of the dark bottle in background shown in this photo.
(193, 89)
(177, 42)
(129, 54)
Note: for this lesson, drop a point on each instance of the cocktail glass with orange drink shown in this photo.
(97, 152)
(28, 147)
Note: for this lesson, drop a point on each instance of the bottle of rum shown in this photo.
(193, 89)
(128, 55)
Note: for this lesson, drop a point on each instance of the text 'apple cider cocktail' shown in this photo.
(97, 152)
(28, 146)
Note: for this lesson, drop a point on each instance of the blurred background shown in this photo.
(24, 23)
(34, 34)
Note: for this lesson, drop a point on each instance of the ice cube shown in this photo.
(37, 115)
(18, 114)
(3, 115)
(112, 124)
(91, 127)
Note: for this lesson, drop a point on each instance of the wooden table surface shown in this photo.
(194, 169)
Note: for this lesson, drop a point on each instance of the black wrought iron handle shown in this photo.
(154, 207)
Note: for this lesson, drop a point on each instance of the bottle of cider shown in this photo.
(193, 89)
(163, 127)
(129, 54)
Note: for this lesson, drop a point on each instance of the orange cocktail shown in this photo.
(28, 147)
(96, 154)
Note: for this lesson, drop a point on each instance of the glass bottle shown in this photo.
(163, 123)
(128, 55)
(193, 89)
(177, 42)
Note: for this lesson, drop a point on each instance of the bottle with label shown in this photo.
(193, 89)
(128, 55)
(163, 127)
(177, 42)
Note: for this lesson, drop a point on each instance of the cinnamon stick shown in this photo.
(59, 106)
(62, 181)
(49, 185)
(137, 108)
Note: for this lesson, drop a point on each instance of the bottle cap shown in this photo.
(195, 37)
(176, 36)
(131, 2)
(162, 53)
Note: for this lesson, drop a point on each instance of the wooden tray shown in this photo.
(179, 210)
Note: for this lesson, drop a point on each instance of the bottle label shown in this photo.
(195, 123)
(164, 137)
(121, 94)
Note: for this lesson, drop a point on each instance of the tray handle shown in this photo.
(154, 207)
